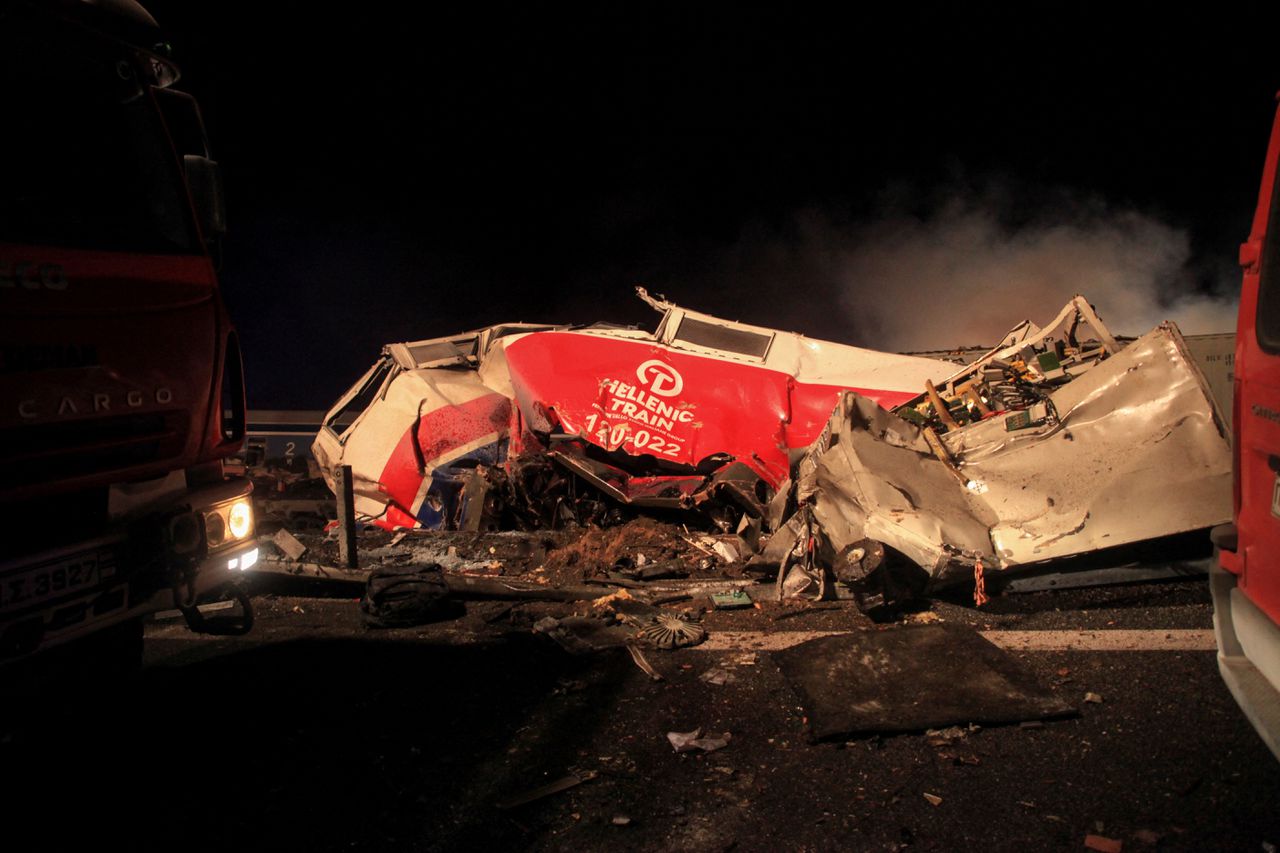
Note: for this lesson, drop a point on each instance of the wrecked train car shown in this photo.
(701, 408)
(1057, 443)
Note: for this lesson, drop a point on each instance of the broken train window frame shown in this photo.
(368, 388)
(437, 352)
(706, 327)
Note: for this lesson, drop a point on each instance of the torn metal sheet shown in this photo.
(1018, 374)
(701, 409)
(1139, 452)
(1132, 449)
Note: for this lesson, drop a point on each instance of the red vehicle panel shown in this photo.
(1246, 581)
(1257, 403)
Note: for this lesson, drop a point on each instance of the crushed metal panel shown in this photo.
(671, 492)
(434, 421)
(880, 480)
(410, 449)
(1139, 453)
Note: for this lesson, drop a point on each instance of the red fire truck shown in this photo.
(1246, 580)
(120, 372)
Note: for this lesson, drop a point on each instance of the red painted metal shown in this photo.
(149, 332)
(648, 400)
(1256, 445)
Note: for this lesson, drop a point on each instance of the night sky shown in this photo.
(393, 176)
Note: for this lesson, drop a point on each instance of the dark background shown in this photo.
(400, 172)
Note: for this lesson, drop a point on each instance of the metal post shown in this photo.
(346, 518)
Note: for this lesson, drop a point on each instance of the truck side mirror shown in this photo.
(205, 182)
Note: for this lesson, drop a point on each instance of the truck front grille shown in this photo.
(44, 452)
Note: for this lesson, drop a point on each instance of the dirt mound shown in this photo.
(641, 541)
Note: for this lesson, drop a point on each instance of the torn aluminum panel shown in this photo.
(702, 409)
(1138, 451)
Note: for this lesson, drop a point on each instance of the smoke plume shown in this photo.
(966, 272)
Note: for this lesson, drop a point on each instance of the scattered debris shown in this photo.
(562, 784)
(950, 734)
(717, 676)
(211, 607)
(1103, 844)
(289, 544)
(668, 631)
(733, 600)
(1147, 836)
(608, 601)
(934, 799)
(582, 635)
(620, 820)
(643, 662)
(694, 741)
(1093, 698)
(655, 571)
(731, 549)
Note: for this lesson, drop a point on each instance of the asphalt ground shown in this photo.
(315, 733)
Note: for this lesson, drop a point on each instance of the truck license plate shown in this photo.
(53, 580)
(1275, 498)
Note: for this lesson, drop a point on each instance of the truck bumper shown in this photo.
(61, 595)
(1248, 655)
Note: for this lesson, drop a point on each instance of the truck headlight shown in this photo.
(228, 524)
(240, 519)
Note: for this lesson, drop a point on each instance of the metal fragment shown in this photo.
(668, 631)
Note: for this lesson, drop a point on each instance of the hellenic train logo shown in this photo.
(662, 379)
